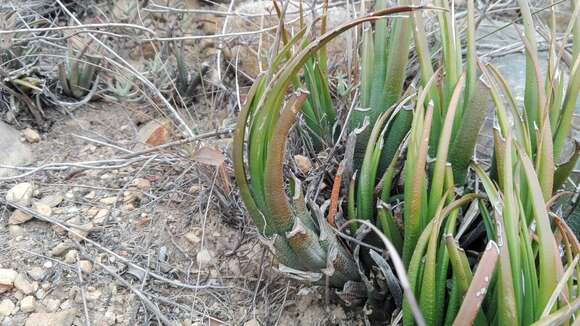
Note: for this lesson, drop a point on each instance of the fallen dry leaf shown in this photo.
(209, 156)
(155, 133)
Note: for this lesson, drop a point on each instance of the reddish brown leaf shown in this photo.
(154, 133)
(479, 286)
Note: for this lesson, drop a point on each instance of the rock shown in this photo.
(252, 322)
(61, 249)
(23, 284)
(204, 258)
(58, 230)
(109, 317)
(28, 304)
(18, 295)
(61, 318)
(37, 273)
(108, 200)
(107, 177)
(71, 256)
(47, 264)
(67, 304)
(142, 183)
(16, 231)
(154, 133)
(40, 294)
(91, 195)
(303, 163)
(338, 313)
(193, 236)
(12, 151)
(80, 231)
(7, 277)
(70, 195)
(20, 194)
(50, 304)
(91, 212)
(31, 135)
(93, 294)
(132, 196)
(194, 190)
(52, 200)
(19, 217)
(43, 209)
(7, 307)
(86, 266)
(101, 216)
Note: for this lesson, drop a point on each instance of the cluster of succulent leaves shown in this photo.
(25, 83)
(78, 74)
(81, 72)
(480, 244)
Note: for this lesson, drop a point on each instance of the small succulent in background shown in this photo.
(78, 75)
(125, 10)
(186, 80)
(121, 88)
(157, 72)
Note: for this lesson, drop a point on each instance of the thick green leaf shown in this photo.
(281, 216)
(463, 145)
(549, 256)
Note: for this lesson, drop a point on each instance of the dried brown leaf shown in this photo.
(209, 156)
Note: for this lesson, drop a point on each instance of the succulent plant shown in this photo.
(79, 73)
(480, 245)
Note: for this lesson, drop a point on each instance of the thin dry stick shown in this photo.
(83, 296)
(81, 26)
(262, 260)
(283, 303)
(221, 44)
(97, 165)
(202, 240)
(102, 143)
(179, 142)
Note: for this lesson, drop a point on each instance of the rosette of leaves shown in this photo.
(186, 80)
(296, 231)
(78, 74)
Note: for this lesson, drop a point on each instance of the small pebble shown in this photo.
(86, 266)
(7, 307)
(31, 135)
(28, 304)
